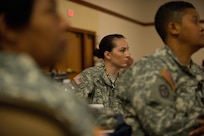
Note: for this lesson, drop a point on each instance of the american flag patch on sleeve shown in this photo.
(77, 79)
(167, 76)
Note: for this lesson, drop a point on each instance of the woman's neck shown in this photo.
(111, 69)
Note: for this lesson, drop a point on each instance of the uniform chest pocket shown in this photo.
(101, 93)
(186, 96)
(186, 90)
(97, 97)
(98, 93)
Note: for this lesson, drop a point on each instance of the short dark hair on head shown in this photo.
(106, 44)
(170, 11)
(16, 13)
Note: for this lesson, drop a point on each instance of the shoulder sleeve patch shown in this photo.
(78, 80)
(167, 76)
(160, 93)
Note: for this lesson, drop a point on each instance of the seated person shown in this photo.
(162, 94)
(97, 84)
(33, 36)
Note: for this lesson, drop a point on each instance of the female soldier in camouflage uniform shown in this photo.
(97, 83)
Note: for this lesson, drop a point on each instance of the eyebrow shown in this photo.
(124, 47)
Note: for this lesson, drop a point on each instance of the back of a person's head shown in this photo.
(16, 13)
(106, 44)
(170, 11)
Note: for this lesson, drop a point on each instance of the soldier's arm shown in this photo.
(198, 131)
(83, 84)
(107, 119)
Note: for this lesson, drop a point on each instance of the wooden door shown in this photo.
(72, 61)
(88, 49)
(79, 54)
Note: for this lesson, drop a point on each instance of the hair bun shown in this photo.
(97, 53)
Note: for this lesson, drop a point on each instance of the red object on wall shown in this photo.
(70, 12)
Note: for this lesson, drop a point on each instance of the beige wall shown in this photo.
(142, 40)
(142, 10)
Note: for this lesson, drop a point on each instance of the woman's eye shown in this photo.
(196, 20)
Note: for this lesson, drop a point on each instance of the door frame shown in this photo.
(84, 33)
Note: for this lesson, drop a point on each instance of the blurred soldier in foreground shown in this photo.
(162, 94)
(33, 35)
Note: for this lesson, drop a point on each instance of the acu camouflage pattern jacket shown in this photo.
(160, 96)
(21, 78)
(94, 85)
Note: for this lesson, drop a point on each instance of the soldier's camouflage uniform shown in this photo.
(94, 85)
(159, 95)
(21, 78)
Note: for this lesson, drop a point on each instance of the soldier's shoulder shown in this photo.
(86, 76)
(91, 71)
(145, 64)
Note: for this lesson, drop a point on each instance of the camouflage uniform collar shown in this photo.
(105, 77)
(190, 69)
(120, 71)
(169, 51)
(102, 65)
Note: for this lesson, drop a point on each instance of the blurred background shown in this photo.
(91, 20)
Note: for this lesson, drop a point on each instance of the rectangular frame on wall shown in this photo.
(88, 45)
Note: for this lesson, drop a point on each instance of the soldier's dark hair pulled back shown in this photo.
(106, 44)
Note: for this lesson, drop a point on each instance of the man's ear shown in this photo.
(107, 55)
(7, 33)
(173, 28)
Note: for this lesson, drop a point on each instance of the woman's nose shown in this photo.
(127, 53)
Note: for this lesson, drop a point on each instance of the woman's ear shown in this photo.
(107, 55)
